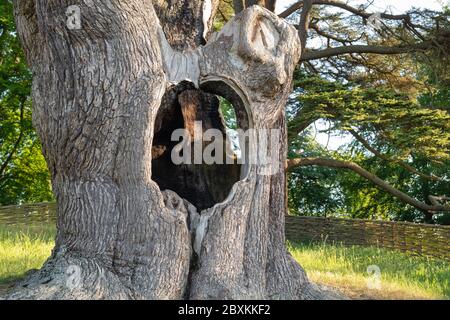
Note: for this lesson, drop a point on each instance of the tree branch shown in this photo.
(337, 164)
(359, 12)
(304, 23)
(339, 4)
(382, 156)
(17, 142)
(330, 52)
(271, 5)
(292, 9)
(238, 5)
(329, 36)
(361, 49)
(303, 119)
(437, 201)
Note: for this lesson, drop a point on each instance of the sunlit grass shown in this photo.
(402, 276)
(23, 249)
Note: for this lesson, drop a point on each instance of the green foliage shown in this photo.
(224, 14)
(30, 182)
(397, 126)
(312, 190)
(391, 118)
(228, 113)
(398, 104)
(23, 174)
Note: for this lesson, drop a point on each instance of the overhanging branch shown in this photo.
(16, 145)
(382, 156)
(291, 10)
(359, 12)
(337, 164)
(304, 22)
(306, 5)
(374, 49)
(339, 4)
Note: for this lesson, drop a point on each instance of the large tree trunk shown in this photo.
(98, 92)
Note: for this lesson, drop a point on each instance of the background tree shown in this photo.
(356, 69)
(24, 176)
(396, 138)
(414, 144)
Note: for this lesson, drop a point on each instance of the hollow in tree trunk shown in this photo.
(106, 91)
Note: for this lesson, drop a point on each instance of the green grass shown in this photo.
(23, 249)
(402, 276)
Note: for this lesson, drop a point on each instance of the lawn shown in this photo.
(23, 249)
(345, 268)
(402, 276)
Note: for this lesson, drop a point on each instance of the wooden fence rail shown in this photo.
(419, 239)
(37, 213)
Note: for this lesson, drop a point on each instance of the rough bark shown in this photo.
(96, 95)
(240, 5)
(186, 23)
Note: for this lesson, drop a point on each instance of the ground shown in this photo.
(402, 276)
(331, 266)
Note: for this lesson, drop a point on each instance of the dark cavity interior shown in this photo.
(203, 185)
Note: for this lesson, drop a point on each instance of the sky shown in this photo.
(390, 6)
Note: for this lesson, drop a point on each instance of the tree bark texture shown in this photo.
(96, 95)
